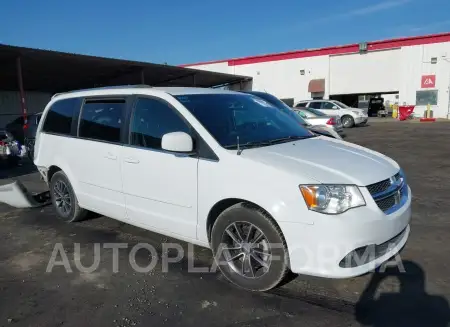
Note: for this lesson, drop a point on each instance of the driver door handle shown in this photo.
(131, 160)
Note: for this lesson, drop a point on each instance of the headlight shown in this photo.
(332, 199)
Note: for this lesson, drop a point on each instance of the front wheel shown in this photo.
(348, 121)
(249, 248)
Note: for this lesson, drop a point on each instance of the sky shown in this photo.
(180, 32)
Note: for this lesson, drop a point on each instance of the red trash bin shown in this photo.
(404, 112)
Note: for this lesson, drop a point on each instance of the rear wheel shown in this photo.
(64, 199)
(249, 248)
(348, 121)
(29, 144)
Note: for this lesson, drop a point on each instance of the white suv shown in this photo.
(349, 116)
(227, 171)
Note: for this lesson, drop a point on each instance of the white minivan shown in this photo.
(226, 171)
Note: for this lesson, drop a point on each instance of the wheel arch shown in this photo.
(224, 204)
(51, 171)
(61, 166)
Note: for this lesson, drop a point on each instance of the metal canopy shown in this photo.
(52, 71)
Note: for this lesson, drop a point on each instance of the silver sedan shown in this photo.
(317, 118)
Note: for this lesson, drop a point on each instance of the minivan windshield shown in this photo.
(279, 104)
(244, 118)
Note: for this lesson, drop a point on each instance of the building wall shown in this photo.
(221, 67)
(283, 78)
(398, 69)
(417, 63)
(10, 107)
(377, 71)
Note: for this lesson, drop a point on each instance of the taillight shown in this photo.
(2, 143)
(331, 121)
(25, 126)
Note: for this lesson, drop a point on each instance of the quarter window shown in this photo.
(59, 117)
(102, 120)
(152, 119)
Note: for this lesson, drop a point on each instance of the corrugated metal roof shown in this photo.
(54, 71)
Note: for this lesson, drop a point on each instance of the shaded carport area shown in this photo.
(36, 71)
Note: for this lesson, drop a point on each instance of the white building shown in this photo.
(412, 71)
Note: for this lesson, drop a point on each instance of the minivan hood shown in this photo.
(326, 160)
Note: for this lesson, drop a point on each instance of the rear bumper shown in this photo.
(339, 129)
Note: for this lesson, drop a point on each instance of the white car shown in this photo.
(226, 171)
(349, 116)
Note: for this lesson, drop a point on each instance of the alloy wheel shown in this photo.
(246, 250)
(62, 197)
(347, 122)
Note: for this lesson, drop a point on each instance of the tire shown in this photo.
(348, 121)
(258, 277)
(29, 144)
(60, 187)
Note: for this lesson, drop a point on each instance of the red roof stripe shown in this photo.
(350, 48)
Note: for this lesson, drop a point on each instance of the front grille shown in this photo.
(389, 192)
(381, 186)
(386, 203)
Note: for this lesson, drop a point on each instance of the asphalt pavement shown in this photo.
(33, 292)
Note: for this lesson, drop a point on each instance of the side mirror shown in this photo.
(177, 142)
(335, 107)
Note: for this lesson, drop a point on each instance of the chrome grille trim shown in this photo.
(389, 194)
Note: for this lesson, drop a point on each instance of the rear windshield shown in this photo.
(315, 112)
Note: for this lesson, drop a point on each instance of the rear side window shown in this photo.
(102, 120)
(301, 105)
(328, 105)
(152, 119)
(59, 117)
(315, 105)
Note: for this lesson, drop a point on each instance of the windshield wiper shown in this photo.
(255, 144)
(241, 146)
(290, 138)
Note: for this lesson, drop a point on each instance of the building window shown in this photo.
(426, 97)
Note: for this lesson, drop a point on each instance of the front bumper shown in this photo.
(322, 249)
(361, 120)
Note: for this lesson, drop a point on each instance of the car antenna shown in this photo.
(239, 150)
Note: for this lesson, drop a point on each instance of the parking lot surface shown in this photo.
(30, 296)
